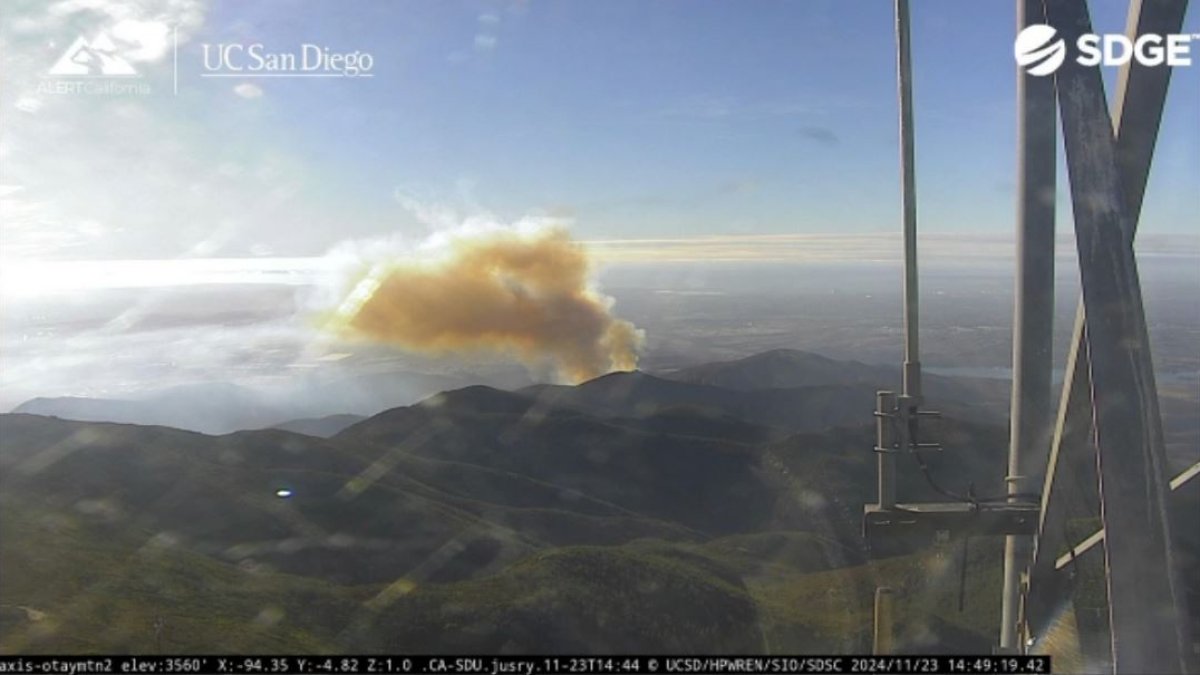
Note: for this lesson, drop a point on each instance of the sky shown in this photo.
(627, 120)
(657, 133)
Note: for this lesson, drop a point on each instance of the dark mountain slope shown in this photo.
(967, 398)
(343, 522)
(639, 395)
(791, 409)
(704, 423)
(456, 505)
(711, 485)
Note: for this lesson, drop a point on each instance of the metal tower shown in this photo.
(1107, 439)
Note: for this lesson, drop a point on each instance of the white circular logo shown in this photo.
(1038, 51)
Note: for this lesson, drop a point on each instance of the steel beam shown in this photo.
(1033, 315)
(1069, 471)
(1147, 635)
(1137, 111)
(1098, 536)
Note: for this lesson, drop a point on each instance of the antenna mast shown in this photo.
(908, 197)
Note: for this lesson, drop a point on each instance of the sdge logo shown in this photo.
(1040, 51)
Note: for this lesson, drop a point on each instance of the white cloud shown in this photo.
(29, 104)
(485, 42)
(144, 24)
(143, 40)
(489, 18)
(248, 90)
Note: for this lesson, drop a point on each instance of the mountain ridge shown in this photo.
(222, 407)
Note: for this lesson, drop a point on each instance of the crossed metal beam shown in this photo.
(1073, 554)
(1108, 416)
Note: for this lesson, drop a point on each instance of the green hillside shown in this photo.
(72, 586)
(477, 521)
(461, 526)
(571, 600)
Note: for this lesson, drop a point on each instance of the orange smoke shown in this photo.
(519, 292)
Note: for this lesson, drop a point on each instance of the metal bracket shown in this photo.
(958, 519)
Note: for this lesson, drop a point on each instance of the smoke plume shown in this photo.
(522, 290)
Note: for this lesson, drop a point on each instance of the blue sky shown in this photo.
(631, 119)
(675, 119)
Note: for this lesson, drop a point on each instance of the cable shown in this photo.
(967, 499)
(970, 498)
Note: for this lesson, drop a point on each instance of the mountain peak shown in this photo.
(627, 375)
(780, 369)
(478, 399)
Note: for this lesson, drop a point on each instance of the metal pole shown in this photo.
(885, 442)
(1033, 315)
(886, 402)
(912, 361)
(884, 624)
